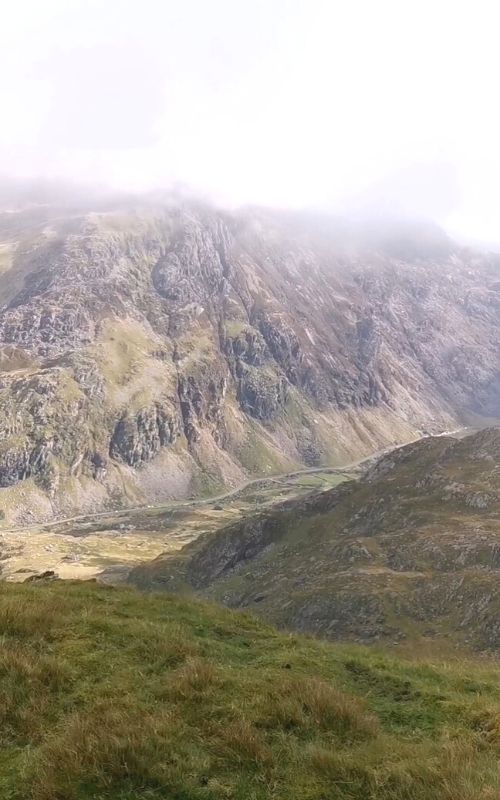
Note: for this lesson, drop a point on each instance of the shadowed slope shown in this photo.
(412, 549)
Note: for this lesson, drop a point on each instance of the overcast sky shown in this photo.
(371, 105)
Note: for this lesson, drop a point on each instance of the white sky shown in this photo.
(365, 105)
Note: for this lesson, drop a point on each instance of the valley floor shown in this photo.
(111, 543)
(108, 544)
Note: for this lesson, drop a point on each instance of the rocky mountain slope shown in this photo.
(153, 350)
(410, 550)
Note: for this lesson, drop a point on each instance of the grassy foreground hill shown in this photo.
(110, 694)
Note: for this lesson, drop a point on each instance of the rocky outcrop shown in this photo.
(45, 422)
(43, 327)
(15, 465)
(262, 394)
(246, 345)
(231, 552)
(283, 344)
(138, 438)
(201, 400)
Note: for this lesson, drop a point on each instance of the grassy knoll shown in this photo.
(108, 693)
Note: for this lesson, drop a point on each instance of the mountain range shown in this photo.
(164, 348)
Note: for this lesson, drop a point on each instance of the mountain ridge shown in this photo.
(155, 351)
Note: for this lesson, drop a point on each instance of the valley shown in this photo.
(108, 544)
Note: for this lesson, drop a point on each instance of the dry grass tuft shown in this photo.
(313, 703)
(243, 743)
(111, 749)
(29, 683)
(29, 614)
(196, 677)
(409, 772)
(487, 724)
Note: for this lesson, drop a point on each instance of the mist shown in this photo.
(362, 108)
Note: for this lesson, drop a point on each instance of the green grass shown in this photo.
(260, 458)
(320, 480)
(113, 695)
(235, 327)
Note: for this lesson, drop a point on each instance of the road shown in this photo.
(220, 498)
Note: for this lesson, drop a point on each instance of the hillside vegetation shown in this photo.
(113, 695)
(412, 550)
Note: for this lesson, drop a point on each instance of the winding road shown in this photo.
(220, 498)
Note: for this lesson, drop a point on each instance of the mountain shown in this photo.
(108, 694)
(409, 551)
(158, 348)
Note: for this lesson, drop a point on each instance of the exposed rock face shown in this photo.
(231, 552)
(138, 438)
(136, 345)
(411, 549)
(247, 346)
(202, 405)
(260, 394)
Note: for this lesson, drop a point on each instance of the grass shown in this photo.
(259, 457)
(123, 347)
(235, 327)
(320, 480)
(401, 555)
(113, 695)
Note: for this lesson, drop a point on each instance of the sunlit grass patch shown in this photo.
(113, 695)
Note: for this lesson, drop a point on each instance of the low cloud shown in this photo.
(362, 108)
